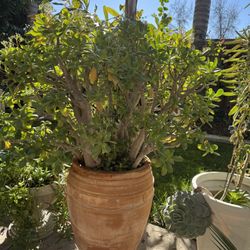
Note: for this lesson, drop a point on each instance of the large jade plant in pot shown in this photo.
(117, 90)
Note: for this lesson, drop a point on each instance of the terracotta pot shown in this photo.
(232, 220)
(109, 210)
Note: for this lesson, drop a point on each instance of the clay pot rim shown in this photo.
(81, 170)
(43, 188)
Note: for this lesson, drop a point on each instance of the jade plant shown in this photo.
(116, 90)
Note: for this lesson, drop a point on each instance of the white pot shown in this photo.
(232, 220)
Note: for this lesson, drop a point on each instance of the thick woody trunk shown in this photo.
(200, 22)
(130, 9)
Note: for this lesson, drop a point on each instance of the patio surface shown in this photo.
(155, 238)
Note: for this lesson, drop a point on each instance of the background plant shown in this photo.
(188, 215)
(182, 173)
(26, 161)
(15, 16)
(239, 78)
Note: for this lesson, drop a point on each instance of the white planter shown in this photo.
(233, 220)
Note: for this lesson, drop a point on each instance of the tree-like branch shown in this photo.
(80, 103)
(89, 160)
(244, 169)
(137, 144)
(146, 149)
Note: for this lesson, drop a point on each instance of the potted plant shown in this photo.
(117, 90)
(28, 175)
(226, 196)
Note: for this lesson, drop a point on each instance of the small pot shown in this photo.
(232, 220)
(109, 210)
(43, 198)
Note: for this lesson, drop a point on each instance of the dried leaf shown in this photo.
(93, 75)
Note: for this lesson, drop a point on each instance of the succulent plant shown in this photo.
(187, 214)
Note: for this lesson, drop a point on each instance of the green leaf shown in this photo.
(210, 91)
(34, 33)
(229, 94)
(214, 146)
(229, 81)
(236, 60)
(65, 12)
(178, 158)
(233, 110)
(58, 71)
(76, 4)
(201, 147)
(121, 7)
(56, 3)
(164, 170)
(86, 2)
(219, 93)
(107, 10)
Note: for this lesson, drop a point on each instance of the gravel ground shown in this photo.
(155, 238)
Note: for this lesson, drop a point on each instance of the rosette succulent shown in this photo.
(187, 214)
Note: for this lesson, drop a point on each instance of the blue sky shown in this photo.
(150, 7)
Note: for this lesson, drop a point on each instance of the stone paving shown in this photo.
(155, 238)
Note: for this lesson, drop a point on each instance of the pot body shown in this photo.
(109, 210)
(232, 220)
(43, 198)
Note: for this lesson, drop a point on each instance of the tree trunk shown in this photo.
(200, 22)
(130, 9)
(32, 10)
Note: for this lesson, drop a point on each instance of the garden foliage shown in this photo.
(116, 90)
